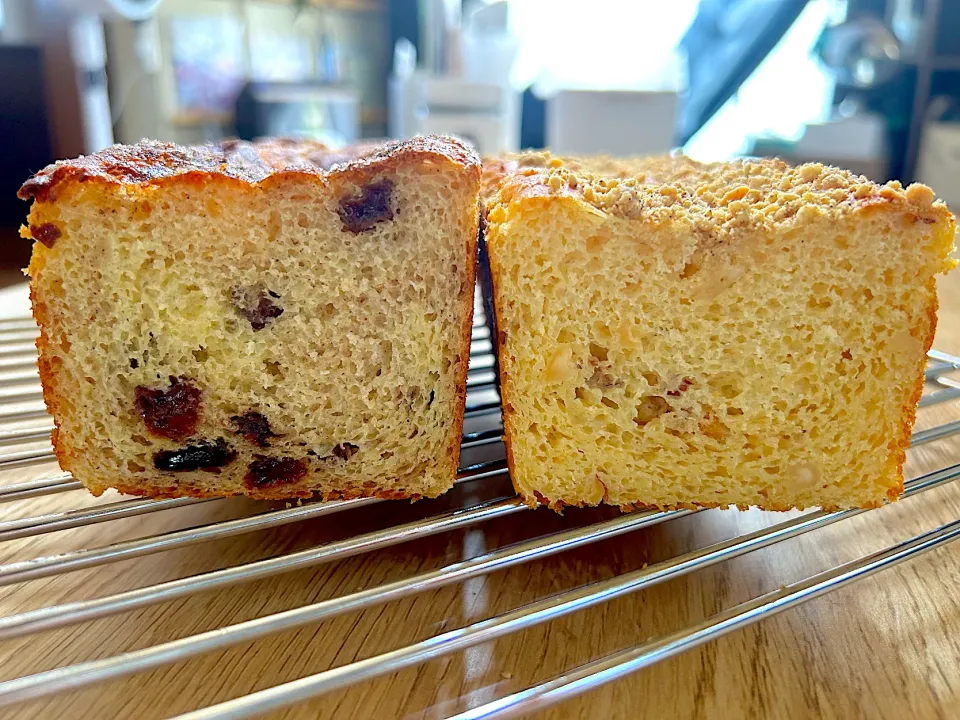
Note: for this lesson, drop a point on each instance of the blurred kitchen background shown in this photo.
(870, 85)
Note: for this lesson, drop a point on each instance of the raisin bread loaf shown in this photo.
(274, 319)
(674, 334)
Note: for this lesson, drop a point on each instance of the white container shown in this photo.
(487, 115)
(612, 122)
(489, 57)
(939, 162)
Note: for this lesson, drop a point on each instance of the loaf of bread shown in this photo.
(272, 319)
(673, 334)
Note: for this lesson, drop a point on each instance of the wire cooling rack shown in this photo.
(24, 425)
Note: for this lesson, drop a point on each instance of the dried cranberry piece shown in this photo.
(47, 233)
(266, 472)
(173, 413)
(345, 451)
(685, 384)
(255, 428)
(359, 214)
(202, 456)
(257, 305)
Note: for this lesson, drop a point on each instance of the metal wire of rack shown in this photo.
(20, 403)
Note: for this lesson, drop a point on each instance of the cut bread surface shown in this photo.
(673, 334)
(256, 319)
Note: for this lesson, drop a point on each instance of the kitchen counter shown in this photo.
(887, 646)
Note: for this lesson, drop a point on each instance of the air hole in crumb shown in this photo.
(565, 336)
(201, 355)
(598, 351)
(689, 270)
(345, 451)
(653, 380)
(273, 368)
(713, 428)
(134, 363)
(650, 408)
(386, 354)
(726, 384)
(595, 243)
(274, 225)
(609, 403)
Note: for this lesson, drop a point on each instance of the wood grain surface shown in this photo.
(885, 647)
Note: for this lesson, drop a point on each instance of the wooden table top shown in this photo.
(887, 646)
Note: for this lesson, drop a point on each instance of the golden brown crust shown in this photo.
(499, 343)
(714, 198)
(158, 492)
(48, 380)
(154, 163)
(898, 445)
(467, 299)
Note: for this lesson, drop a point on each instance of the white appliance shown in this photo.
(611, 122)
(939, 163)
(71, 33)
(857, 143)
(468, 94)
(88, 51)
(485, 114)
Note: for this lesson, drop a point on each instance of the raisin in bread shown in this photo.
(674, 334)
(274, 319)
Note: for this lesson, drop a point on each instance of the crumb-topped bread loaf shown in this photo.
(674, 334)
(274, 319)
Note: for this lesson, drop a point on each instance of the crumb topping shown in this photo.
(710, 196)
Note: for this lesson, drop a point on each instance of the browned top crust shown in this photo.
(150, 162)
(710, 196)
